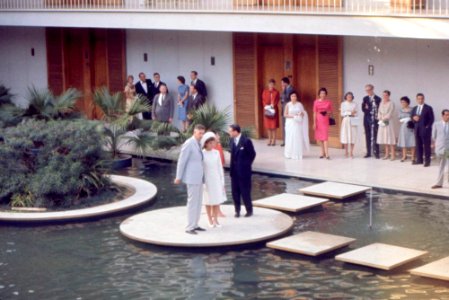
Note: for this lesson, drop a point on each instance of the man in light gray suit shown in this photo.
(440, 136)
(190, 171)
(163, 106)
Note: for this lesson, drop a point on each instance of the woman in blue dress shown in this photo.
(183, 99)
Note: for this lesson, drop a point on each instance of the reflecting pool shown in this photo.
(91, 260)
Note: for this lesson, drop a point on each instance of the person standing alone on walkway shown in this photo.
(242, 158)
(190, 171)
(440, 136)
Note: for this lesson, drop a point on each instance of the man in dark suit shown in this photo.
(370, 107)
(196, 100)
(200, 85)
(242, 158)
(144, 88)
(157, 84)
(423, 118)
(287, 89)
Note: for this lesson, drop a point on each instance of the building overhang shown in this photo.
(399, 27)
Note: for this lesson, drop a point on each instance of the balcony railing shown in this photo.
(410, 8)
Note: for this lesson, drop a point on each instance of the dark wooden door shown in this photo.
(271, 67)
(86, 59)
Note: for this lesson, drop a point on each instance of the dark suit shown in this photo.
(155, 88)
(195, 103)
(370, 123)
(200, 87)
(285, 98)
(148, 96)
(242, 157)
(423, 133)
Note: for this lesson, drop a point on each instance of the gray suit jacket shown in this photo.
(441, 139)
(190, 163)
(165, 111)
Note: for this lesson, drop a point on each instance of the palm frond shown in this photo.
(40, 103)
(141, 142)
(66, 102)
(212, 118)
(110, 104)
(139, 105)
(162, 128)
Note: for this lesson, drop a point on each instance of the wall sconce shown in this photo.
(212, 60)
(32, 51)
(370, 70)
(145, 57)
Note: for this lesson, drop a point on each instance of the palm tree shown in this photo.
(10, 114)
(44, 105)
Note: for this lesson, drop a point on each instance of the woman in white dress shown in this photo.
(214, 192)
(386, 135)
(348, 133)
(296, 128)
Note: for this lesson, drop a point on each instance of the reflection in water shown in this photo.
(93, 261)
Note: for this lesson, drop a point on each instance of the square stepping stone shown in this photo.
(380, 256)
(438, 269)
(334, 190)
(289, 202)
(311, 243)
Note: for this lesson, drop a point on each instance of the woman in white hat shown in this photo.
(214, 192)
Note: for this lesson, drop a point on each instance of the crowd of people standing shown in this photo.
(416, 131)
(156, 94)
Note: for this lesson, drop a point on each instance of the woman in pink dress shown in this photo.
(322, 109)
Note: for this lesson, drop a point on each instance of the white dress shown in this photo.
(296, 132)
(214, 183)
(348, 133)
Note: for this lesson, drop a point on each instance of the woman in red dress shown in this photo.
(322, 109)
(270, 97)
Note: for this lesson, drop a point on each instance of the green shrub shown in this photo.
(52, 163)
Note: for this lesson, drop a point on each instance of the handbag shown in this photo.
(332, 121)
(269, 111)
(410, 125)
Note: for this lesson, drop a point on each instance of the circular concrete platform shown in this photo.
(166, 227)
(144, 192)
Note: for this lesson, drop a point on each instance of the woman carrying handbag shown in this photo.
(270, 102)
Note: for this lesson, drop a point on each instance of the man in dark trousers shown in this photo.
(242, 157)
(287, 89)
(423, 118)
(199, 84)
(370, 107)
(144, 88)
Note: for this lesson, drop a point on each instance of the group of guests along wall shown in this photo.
(385, 123)
(187, 99)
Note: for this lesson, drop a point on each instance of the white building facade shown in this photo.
(406, 52)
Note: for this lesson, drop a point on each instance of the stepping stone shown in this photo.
(438, 269)
(289, 202)
(334, 190)
(311, 243)
(380, 256)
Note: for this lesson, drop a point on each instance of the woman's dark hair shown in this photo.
(208, 141)
(285, 80)
(406, 99)
(293, 93)
(323, 89)
(272, 81)
(235, 127)
(347, 94)
(181, 79)
(387, 92)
